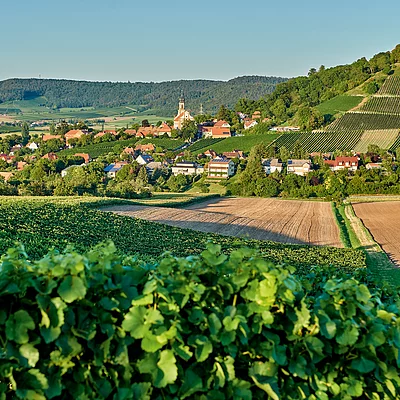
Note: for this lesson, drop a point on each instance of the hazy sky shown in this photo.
(121, 40)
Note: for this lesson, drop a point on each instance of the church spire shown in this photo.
(181, 103)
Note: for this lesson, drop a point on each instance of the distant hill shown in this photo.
(161, 98)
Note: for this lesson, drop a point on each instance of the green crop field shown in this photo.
(244, 143)
(165, 144)
(319, 141)
(339, 104)
(99, 149)
(44, 223)
(382, 138)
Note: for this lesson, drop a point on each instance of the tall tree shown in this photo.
(25, 133)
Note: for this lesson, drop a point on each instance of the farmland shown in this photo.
(382, 220)
(390, 105)
(355, 122)
(382, 138)
(295, 222)
(44, 223)
(98, 149)
(391, 86)
(319, 141)
(339, 104)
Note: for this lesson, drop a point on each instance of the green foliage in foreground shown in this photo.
(40, 225)
(209, 327)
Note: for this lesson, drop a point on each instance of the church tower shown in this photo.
(181, 103)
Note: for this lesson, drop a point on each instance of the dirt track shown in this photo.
(285, 221)
(383, 221)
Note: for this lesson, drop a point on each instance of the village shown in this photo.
(209, 164)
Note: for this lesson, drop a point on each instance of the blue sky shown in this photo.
(123, 40)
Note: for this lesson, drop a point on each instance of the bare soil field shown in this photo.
(382, 219)
(285, 221)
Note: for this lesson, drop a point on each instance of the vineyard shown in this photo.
(387, 105)
(166, 144)
(356, 122)
(384, 139)
(391, 87)
(319, 141)
(339, 104)
(42, 224)
(203, 145)
(395, 145)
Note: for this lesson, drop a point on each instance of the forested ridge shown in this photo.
(160, 97)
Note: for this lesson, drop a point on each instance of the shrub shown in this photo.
(207, 327)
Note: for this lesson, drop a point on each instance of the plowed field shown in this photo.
(383, 221)
(285, 221)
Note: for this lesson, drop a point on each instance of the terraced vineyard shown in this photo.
(376, 104)
(353, 122)
(391, 87)
(382, 138)
(320, 141)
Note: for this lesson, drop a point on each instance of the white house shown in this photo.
(65, 171)
(144, 159)
(32, 146)
(270, 165)
(339, 163)
(187, 168)
(221, 168)
(299, 167)
(249, 124)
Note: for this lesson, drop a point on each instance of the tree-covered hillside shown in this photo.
(295, 99)
(160, 97)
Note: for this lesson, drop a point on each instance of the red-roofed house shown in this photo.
(233, 154)
(221, 129)
(45, 138)
(102, 133)
(21, 165)
(130, 132)
(163, 129)
(210, 153)
(75, 134)
(145, 147)
(249, 123)
(6, 157)
(6, 175)
(350, 163)
(256, 115)
(146, 131)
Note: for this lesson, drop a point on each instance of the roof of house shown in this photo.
(154, 165)
(130, 131)
(6, 175)
(273, 162)
(186, 164)
(115, 167)
(220, 161)
(50, 137)
(164, 127)
(298, 163)
(221, 123)
(233, 154)
(145, 147)
(146, 158)
(75, 133)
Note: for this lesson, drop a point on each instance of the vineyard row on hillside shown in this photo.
(353, 122)
(389, 105)
(384, 139)
(390, 87)
(313, 142)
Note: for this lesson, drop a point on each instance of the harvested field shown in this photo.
(284, 221)
(382, 220)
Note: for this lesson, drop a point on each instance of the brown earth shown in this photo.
(382, 219)
(285, 221)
